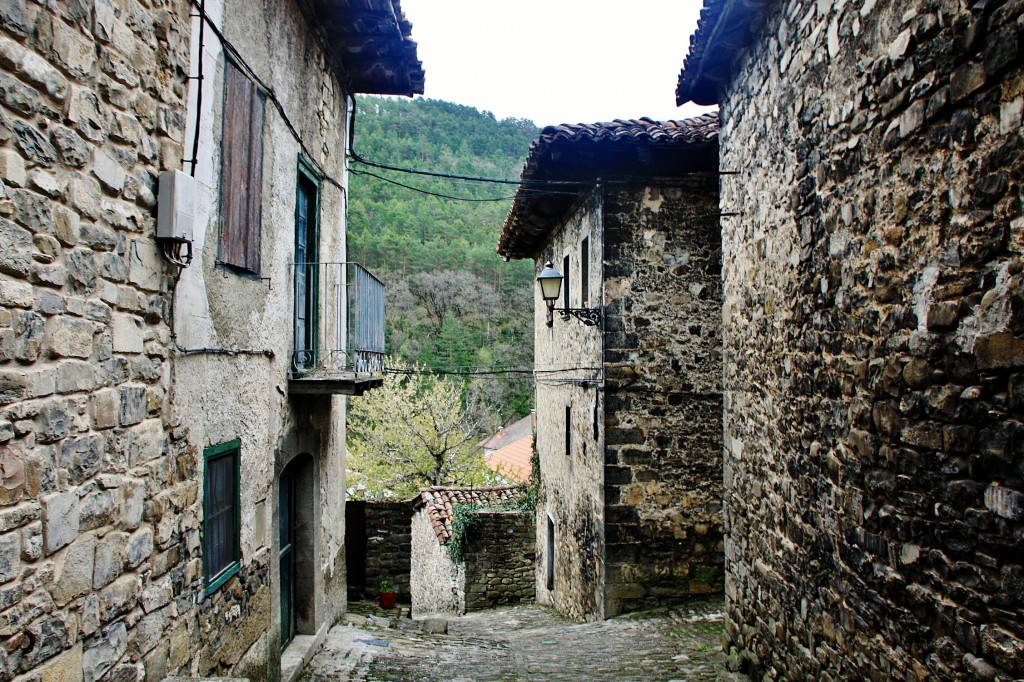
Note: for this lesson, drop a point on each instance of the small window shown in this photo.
(565, 281)
(551, 554)
(585, 272)
(221, 545)
(241, 173)
(568, 430)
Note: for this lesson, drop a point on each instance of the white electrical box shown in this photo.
(176, 202)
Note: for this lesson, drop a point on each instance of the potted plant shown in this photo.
(387, 594)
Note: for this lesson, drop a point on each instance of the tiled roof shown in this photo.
(723, 31)
(700, 129)
(513, 459)
(370, 44)
(577, 156)
(508, 434)
(440, 504)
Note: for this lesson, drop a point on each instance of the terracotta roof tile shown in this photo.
(440, 503)
(513, 460)
(577, 156)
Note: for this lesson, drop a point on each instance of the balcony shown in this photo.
(339, 330)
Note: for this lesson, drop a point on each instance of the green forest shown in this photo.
(453, 305)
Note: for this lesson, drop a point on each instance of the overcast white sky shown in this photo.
(556, 61)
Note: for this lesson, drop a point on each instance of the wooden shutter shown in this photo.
(241, 179)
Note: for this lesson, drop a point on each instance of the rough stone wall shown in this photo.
(99, 528)
(437, 584)
(388, 546)
(663, 399)
(874, 343)
(499, 560)
(571, 490)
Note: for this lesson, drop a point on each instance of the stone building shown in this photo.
(874, 334)
(154, 419)
(497, 563)
(629, 404)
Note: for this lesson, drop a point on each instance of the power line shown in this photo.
(438, 371)
(426, 191)
(525, 192)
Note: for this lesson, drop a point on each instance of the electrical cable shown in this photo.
(425, 191)
(526, 193)
(486, 372)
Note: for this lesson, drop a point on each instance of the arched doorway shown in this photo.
(296, 525)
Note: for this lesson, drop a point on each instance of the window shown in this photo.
(241, 173)
(551, 554)
(307, 275)
(221, 546)
(565, 281)
(585, 272)
(568, 430)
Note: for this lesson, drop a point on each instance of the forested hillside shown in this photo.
(453, 305)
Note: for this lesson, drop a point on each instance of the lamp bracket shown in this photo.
(591, 317)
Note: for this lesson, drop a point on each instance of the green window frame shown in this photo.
(222, 547)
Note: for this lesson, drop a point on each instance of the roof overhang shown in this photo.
(725, 29)
(623, 152)
(369, 44)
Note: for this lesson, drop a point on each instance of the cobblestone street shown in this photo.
(528, 643)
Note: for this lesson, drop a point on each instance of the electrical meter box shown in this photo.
(175, 206)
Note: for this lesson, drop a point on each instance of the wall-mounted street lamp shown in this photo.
(550, 286)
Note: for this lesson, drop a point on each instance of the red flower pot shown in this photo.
(387, 600)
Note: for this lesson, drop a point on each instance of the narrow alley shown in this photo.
(527, 643)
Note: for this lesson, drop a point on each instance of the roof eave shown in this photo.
(369, 46)
(724, 31)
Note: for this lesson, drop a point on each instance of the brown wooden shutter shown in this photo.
(241, 180)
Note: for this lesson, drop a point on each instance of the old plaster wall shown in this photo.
(499, 560)
(663, 400)
(437, 583)
(243, 393)
(566, 357)
(873, 342)
(98, 525)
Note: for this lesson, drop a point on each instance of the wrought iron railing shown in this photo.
(339, 320)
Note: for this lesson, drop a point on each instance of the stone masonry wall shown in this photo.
(874, 342)
(388, 546)
(437, 583)
(99, 531)
(499, 559)
(568, 358)
(663, 401)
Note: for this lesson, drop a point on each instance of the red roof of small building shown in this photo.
(508, 434)
(513, 460)
(440, 504)
(568, 161)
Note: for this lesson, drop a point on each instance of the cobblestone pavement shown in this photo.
(527, 643)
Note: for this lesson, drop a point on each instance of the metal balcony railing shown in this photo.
(339, 320)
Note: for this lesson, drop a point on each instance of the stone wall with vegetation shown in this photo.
(437, 582)
(99, 531)
(874, 342)
(663, 396)
(499, 559)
